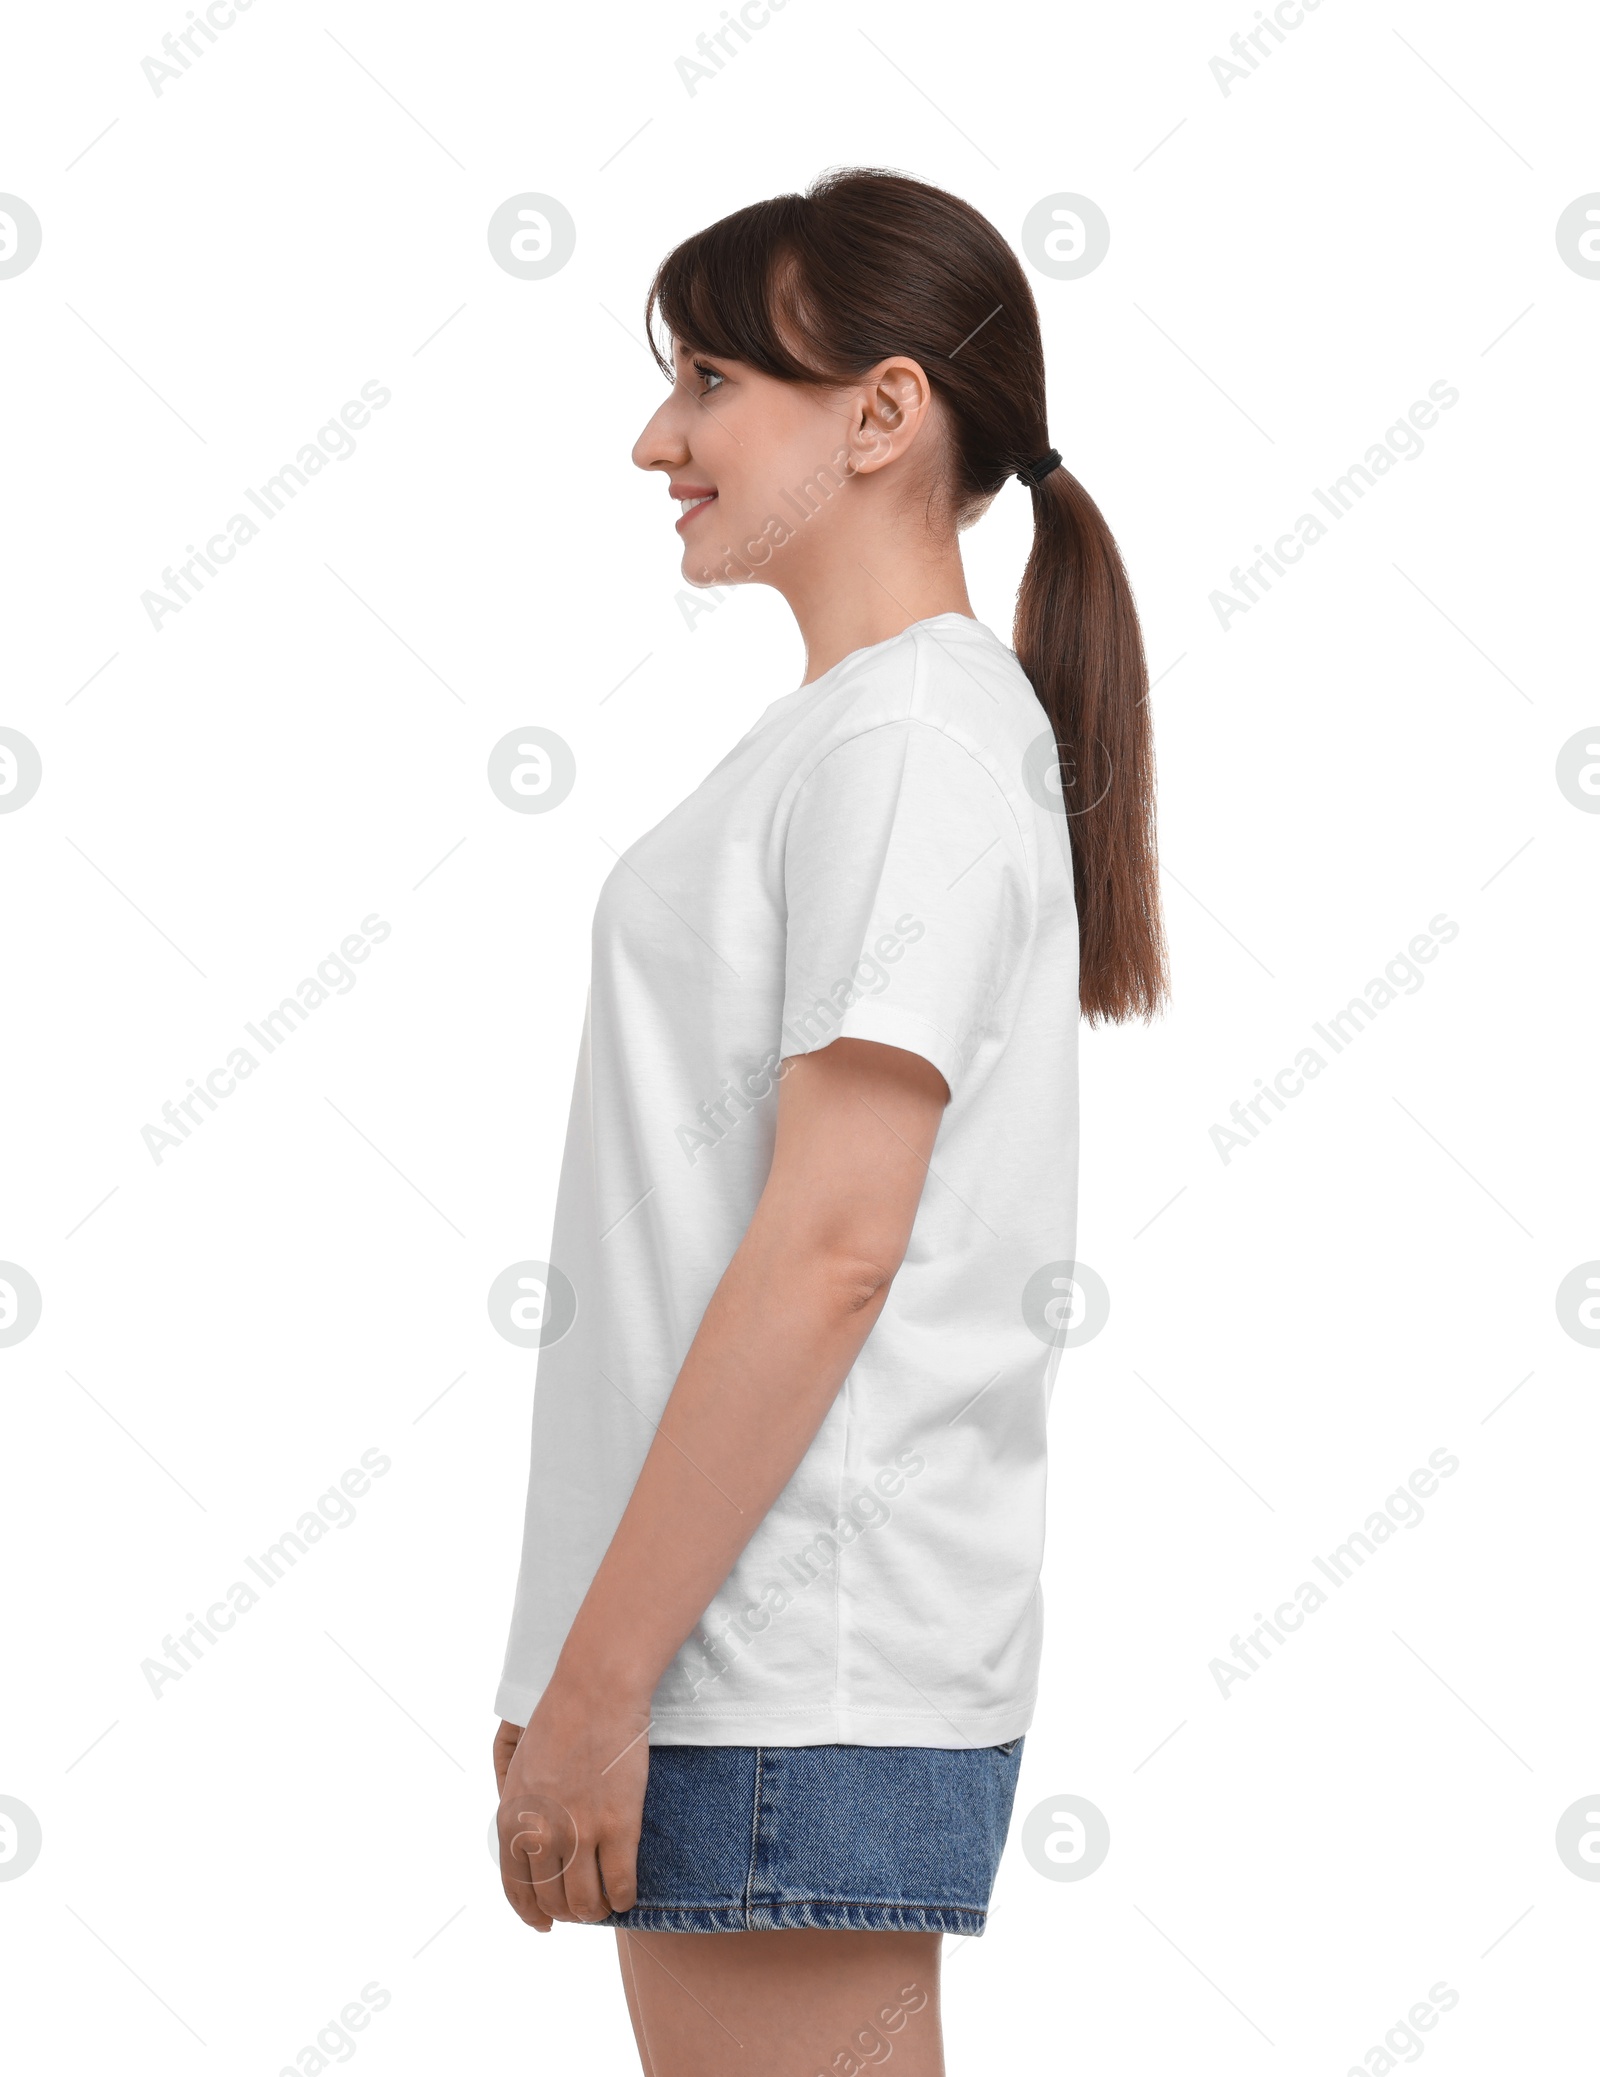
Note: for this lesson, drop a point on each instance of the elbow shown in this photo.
(855, 1280)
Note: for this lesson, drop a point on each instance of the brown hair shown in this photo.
(820, 287)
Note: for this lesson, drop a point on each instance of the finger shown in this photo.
(537, 1833)
(557, 1886)
(535, 1838)
(521, 1898)
(581, 1881)
(520, 1893)
(619, 1864)
(506, 1741)
(542, 1841)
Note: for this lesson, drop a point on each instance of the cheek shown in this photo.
(787, 438)
(745, 503)
(776, 454)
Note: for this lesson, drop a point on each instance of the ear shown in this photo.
(893, 403)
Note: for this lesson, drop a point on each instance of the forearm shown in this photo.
(782, 1330)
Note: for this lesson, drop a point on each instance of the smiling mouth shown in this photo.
(690, 506)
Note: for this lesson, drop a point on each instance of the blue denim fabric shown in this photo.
(747, 1838)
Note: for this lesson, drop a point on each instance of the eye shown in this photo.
(709, 376)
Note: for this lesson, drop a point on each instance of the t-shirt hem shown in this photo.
(812, 1724)
(891, 1026)
(956, 1731)
(514, 1704)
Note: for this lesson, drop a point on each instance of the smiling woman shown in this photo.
(773, 1740)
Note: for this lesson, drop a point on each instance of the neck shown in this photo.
(867, 593)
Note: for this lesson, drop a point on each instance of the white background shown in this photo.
(1292, 1332)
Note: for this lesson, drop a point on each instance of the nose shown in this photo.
(662, 444)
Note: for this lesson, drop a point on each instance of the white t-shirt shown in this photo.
(877, 858)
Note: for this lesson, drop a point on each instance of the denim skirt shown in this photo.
(882, 1838)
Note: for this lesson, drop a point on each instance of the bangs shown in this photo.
(731, 290)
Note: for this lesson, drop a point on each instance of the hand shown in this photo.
(571, 1801)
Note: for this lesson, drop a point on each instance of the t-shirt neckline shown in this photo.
(867, 648)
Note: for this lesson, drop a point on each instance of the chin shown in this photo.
(706, 576)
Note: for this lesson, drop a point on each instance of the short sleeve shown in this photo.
(908, 897)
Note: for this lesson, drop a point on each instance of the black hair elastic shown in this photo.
(1034, 473)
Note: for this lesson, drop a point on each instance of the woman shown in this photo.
(776, 1635)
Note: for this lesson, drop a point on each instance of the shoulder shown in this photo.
(948, 685)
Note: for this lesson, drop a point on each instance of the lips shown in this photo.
(692, 498)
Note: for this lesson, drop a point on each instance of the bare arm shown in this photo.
(856, 1127)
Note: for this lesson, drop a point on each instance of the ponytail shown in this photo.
(822, 286)
(1077, 636)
